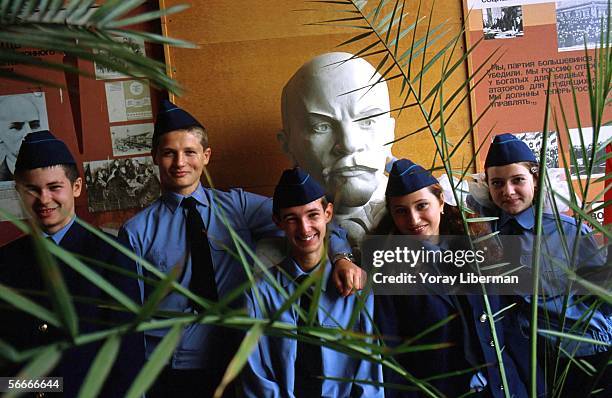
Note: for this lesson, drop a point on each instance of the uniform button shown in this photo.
(43, 327)
(501, 387)
(492, 343)
(483, 318)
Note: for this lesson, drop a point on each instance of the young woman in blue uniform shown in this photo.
(416, 207)
(512, 175)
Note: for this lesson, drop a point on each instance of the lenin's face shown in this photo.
(334, 134)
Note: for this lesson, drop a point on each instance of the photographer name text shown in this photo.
(464, 278)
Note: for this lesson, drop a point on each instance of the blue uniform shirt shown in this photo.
(588, 255)
(158, 234)
(59, 235)
(271, 372)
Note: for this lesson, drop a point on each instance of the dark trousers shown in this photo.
(579, 384)
(188, 383)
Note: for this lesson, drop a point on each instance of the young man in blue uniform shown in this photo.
(190, 224)
(285, 367)
(48, 182)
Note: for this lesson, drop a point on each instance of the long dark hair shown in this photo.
(451, 222)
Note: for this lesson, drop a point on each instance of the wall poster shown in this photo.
(531, 40)
(128, 100)
(137, 45)
(20, 114)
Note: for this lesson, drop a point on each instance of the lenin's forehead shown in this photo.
(321, 76)
(349, 82)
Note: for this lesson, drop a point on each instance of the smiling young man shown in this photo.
(185, 230)
(285, 367)
(48, 183)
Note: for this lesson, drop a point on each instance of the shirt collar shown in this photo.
(292, 272)
(526, 218)
(59, 235)
(173, 199)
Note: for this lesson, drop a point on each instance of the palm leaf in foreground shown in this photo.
(100, 368)
(83, 31)
(38, 367)
(249, 343)
(156, 362)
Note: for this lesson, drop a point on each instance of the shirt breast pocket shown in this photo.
(167, 257)
(554, 268)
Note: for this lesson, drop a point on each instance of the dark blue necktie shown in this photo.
(202, 280)
(512, 227)
(308, 361)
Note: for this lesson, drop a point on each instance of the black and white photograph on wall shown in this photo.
(20, 114)
(10, 202)
(502, 22)
(137, 45)
(121, 183)
(132, 139)
(583, 157)
(577, 20)
(534, 142)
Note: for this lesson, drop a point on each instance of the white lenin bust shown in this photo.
(331, 130)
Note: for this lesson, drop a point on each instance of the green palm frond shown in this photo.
(82, 31)
(100, 368)
(46, 359)
(403, 43)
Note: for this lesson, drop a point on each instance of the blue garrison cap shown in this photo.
(507, 149)
(407, 177)
(296, 188)
(42, 149)
(171, 118)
